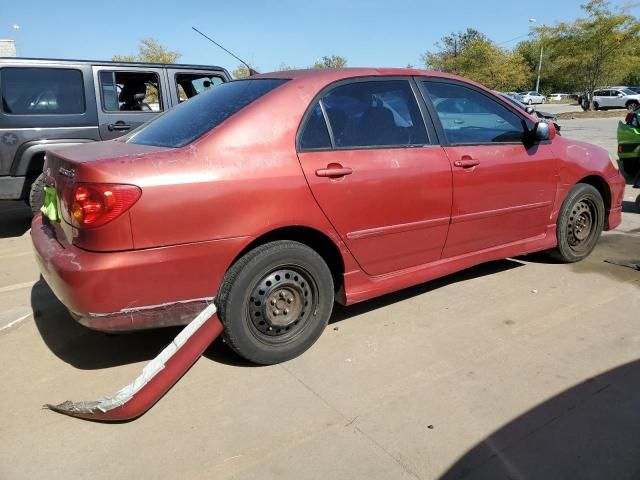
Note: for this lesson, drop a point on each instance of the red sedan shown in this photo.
(277, 195)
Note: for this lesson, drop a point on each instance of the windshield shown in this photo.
(190, 120)
(513, 101)
(628, 91)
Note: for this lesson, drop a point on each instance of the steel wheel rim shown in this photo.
(581, 228)
(281, 303)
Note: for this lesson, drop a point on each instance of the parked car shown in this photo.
(629, 143)
(546, 116)
(530, 98)
(277, 195)
(52, 104)
(634, 89)
(558, 97)
(619, 97)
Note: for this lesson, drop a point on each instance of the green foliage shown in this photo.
(600, 49)
(151, 51)
(334, 61)
(471, 54)
(241, 71)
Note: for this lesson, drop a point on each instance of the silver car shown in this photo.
(615, 97)
(529, 98)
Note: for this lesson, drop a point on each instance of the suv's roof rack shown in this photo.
(110, 62)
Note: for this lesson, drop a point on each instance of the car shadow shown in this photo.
(589, 431)
(89, 350)
(629, 207)
(15, 219)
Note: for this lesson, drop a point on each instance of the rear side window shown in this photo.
(192, 119)
(42, 91)
(469, 117)
(375, 114)
(315, 134)
(191, 84)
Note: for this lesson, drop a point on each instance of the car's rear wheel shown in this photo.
(529, 102)
(36, 194)
(596, 106)
(275, 302)
(579, 225)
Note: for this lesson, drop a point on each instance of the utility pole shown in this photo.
(539, 69)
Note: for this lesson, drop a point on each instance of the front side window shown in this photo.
(373, 114)
(42, 91)
(190, 120)
(130, 92)
(191, 84)
(470, 117)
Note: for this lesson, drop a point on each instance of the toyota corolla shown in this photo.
(278, 195)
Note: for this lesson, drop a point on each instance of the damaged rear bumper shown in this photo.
(136, 289)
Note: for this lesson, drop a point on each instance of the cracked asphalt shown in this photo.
(516, 369)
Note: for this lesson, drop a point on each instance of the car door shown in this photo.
(602, 98)
(503, 187)
(128, 97)
(375, 173)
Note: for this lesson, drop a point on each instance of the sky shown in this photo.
(391, 33)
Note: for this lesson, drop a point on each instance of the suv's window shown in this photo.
(375, 113)
(191, 84)
(468, 116)
(315, 134)
(627, 91)
(189, 120)
(37, 91)
(130, 92)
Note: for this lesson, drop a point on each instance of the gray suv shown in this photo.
(49, 104)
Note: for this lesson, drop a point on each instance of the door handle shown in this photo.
(458, 122)
(333, 171)
(466, 162)
(118, 126)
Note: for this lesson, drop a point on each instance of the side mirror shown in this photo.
(621, 95)
(544, 131)
(530, 110)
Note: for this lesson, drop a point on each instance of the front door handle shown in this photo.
(466, 162)
(334, 171)
(118, 126)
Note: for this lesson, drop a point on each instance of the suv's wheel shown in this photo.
(579, 224)
(631, 166)
(596, 106)
(632, 105)
(36, 194)
(275, 302)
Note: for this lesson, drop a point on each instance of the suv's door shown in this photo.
(384, 188)
(127, 97)
(601, 98)
(503, 188)
(184, 83)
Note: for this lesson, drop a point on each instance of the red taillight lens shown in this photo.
(91, 205)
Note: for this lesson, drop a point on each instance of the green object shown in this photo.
(629, 141)
(50, 206)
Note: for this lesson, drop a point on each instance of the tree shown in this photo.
(240, 72)
(334, 61)
(471, 54)
(283, 67)
(151, 51)
(596, 50)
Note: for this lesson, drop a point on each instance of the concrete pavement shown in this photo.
(514, 369)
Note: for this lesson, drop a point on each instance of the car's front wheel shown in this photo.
(275, 302)
(632, 105)
(579, 224)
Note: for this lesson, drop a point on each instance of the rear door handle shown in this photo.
(466, 162)
(118, 126)
(333, 172)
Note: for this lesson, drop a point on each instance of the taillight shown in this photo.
(91, 205)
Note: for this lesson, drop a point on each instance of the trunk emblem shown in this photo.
(67, 172)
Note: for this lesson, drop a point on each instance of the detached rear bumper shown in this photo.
(136, 289)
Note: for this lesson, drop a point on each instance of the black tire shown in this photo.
(632, 105)
(529, 102)
(275, 302)
(631, 167)
(579, 225)
(36, 194)
(596, 106)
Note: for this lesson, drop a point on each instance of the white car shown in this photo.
(558, 97)
(530, 97)
(617, 97)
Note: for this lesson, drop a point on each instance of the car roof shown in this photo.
(63, 61)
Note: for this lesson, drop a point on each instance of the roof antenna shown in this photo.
(251, 70)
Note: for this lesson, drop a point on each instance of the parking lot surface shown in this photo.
(519, 368)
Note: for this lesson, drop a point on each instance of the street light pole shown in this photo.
(539, 69)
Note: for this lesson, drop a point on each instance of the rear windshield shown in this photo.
(190, 120)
